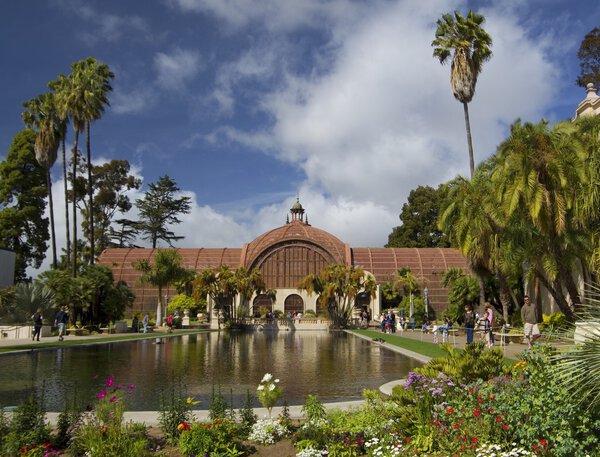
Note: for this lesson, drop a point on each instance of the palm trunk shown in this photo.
(481, 290)
(64, 162)
(469, 139)
(89, 192)
(504, 296)
(52, 228)
(74, 177)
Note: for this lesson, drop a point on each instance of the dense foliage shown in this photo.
(23, 227)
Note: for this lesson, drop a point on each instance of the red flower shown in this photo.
(476, 412)
(491, 410)
(436, 422)
(474, 439)
(183, 426)
(505, 426)
(471, 390)
(498, 419)
(407, 439)
(450, 410)
(543, 442)
(456, 427)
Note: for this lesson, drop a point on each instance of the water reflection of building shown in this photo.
(287, 254)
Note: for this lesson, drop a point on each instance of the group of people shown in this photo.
(529, 317)
(485, 322)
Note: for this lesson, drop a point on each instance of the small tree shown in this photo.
(165, 270)
(337, 287)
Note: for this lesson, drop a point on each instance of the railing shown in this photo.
(15, 332)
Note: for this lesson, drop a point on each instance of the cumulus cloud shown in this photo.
(276, 15)
(105, 26)
(174, 70)
(384, 120)
(131, 101)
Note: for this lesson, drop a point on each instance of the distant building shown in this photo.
(286, 255)
(7, 267)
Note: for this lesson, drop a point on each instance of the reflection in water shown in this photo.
(334, 365)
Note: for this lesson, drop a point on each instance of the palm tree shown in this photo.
(219, 284)
(60, 86)
(337, 287)
(538, 174)
(83, 98)
(407, 281)
(40, 115)
(165, 270)
(90, 97)
(463, 39)
(247, 284)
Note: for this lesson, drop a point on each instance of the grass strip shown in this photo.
(91, 340)
(420, 347)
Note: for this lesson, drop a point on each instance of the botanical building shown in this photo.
(287, 254)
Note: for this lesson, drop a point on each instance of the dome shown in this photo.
(296, 233)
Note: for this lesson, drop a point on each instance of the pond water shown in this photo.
(335, 366)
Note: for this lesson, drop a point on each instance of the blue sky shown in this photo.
(245, 103)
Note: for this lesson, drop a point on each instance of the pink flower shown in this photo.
(130, 386)
(109, 381)
(113, 399)
(101, 395)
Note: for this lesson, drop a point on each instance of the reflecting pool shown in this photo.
(335, 366)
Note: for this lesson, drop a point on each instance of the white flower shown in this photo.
(260, 387)
(271, 387)
(277, 380)
(267, 377)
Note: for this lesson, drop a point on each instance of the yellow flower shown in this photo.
(190, 401)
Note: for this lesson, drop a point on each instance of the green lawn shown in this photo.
(421, 347)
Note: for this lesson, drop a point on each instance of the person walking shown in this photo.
(60, 320)
(529, 316)
(469, 323)
(489, 324)
(145, 322)
(37, 324)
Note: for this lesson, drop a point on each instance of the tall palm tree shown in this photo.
(90, 97)
(538, 174)
(60, 86)
(40, 115)
(465, 41)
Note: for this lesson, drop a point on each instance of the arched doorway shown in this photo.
(262, 301)
(293, 304)
(362, 301)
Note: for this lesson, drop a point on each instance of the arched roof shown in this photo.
(297, 231)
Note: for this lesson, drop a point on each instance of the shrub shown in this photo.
(101, 432)
(212, 438)
(218, 406)
(175, 408)
(313, 409)
(247, 415)
(27, 427)
(466, 365)
(267, 431)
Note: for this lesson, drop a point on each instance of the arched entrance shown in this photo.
(262, 301)
(293, 304)
(362, 301)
